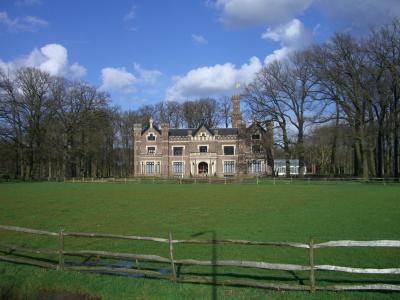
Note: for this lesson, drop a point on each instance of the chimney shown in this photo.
(165, 130)
(137, 129)
(236, 113)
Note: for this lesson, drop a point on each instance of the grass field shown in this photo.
(268, 212)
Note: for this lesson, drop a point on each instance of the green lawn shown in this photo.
(282, 212)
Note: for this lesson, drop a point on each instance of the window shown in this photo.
(203, 149)
(256, 148)
(177, 167)
(151, 137)
(178, 151)
(229, 166)
(255, 166)
(255, 137)
(150, 167)
(229, 150)
(151, 150)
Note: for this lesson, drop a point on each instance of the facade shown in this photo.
(203, 151)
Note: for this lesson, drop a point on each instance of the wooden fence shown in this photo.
(236, 180)
(310, 267)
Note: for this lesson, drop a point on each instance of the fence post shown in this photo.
(171, 256)
(61, 249)
(312, 271)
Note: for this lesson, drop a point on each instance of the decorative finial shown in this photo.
(237, 85)
(151, 122)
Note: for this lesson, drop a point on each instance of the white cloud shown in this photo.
(117, 79)
(291, 36)
(27, 2)
(27, 23)
(129, 19)
(283, 27)
(355, 13)
(239, 13)
(360, 14)
(199, 39)
(125, 82)
(146, 76)
(216, 80)
(52, 58)
(130, 15)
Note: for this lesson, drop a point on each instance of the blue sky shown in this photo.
(145, 51)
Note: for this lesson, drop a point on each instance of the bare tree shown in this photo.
(225, 110)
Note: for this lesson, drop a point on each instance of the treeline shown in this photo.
(336, 105)
(54, 128)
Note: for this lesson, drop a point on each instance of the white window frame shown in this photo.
(152, 146)
(151, 133)
(183, 167)
(156, 166)
(208, 148)
(259, 163)
(178, 146)
(234, 166)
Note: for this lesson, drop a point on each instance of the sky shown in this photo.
(146, 51)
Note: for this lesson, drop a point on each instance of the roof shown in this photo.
(148, 127)
(180, 132)
(185, 131)
(257, 124)
(226, 131)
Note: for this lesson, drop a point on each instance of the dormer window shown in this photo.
(151, 137)
(255, 137)
(178, 151)
(229, 150)
(256, 148)
(203, 149)
(203, 135)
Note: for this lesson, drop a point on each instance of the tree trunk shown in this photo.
(300, 151)
(379, 153)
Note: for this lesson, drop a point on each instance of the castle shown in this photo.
(203, 151)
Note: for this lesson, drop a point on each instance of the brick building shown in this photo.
(203, 151)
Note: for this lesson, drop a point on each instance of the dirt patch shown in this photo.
(44, 294)
(50, 294)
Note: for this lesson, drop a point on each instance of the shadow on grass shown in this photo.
(7, 292)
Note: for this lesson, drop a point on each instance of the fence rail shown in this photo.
(310, 267)
(236, 180)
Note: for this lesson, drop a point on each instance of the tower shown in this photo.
(236, 113)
